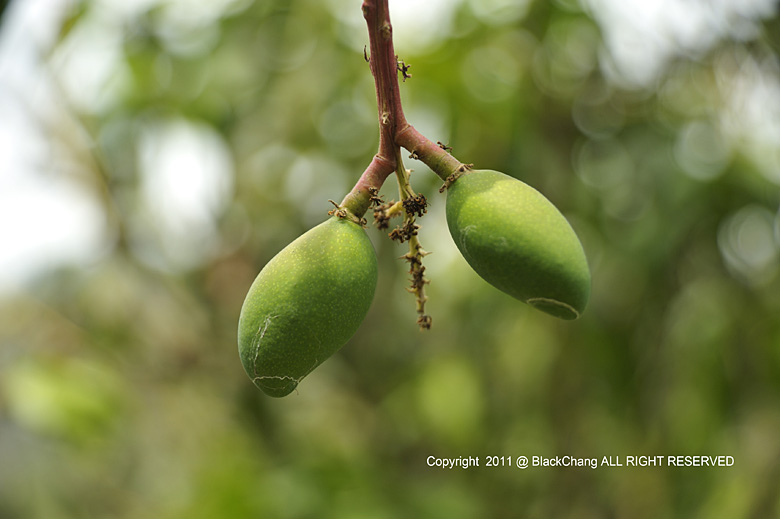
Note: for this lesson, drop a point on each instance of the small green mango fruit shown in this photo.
(305, 304)
(517, 241)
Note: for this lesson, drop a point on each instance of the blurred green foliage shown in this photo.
(121, 391)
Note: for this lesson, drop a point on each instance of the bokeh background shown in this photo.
(155, 154)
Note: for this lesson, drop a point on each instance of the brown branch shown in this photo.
(433, 155)
(394, 130)
(358, 200)
(384, 68)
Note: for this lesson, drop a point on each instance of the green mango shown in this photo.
(305, 304)
(517, 241)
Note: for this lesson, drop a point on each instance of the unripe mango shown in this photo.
(305, 304)
(517, 241)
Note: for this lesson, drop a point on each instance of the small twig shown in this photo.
(414, 205)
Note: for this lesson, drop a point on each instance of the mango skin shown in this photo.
(517, 241)
(305, 304)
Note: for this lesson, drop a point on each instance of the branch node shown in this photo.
(454, 176)
(425, 322)
(345, 214)
(416, 205)
(383, 212)
(405, 232)
(445, 147)
(403, 68)
(374, 197)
